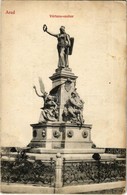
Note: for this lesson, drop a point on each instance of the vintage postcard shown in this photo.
(63, 97)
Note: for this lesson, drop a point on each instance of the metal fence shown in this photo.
(84, 172)
(60, 172)
(28, 172)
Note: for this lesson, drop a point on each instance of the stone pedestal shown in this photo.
(61, 136)
(70, 139)
(63, 83)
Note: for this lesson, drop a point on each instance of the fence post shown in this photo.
(58, 182)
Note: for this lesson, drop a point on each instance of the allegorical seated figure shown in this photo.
(50, 109)
(64, 46)
(73, 109)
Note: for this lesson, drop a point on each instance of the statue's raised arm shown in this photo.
(37, 92)
(45, 29)
(42, 89)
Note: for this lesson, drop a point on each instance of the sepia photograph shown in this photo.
(63, 97)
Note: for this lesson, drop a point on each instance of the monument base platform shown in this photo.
(61, 136)
(74, 156)
(67, 151)
(71, 141)
(71, 156)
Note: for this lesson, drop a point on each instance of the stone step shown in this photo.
(68, 151)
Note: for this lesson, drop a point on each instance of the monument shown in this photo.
(61, 153)
(61, 127)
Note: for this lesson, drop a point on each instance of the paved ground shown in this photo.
(79, 189)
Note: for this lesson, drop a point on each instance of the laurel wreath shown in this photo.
(44, 27)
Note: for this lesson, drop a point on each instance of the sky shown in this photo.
(98, 59)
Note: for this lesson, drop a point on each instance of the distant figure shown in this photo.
(64, 46)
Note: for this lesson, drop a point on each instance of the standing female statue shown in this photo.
(64, 46)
